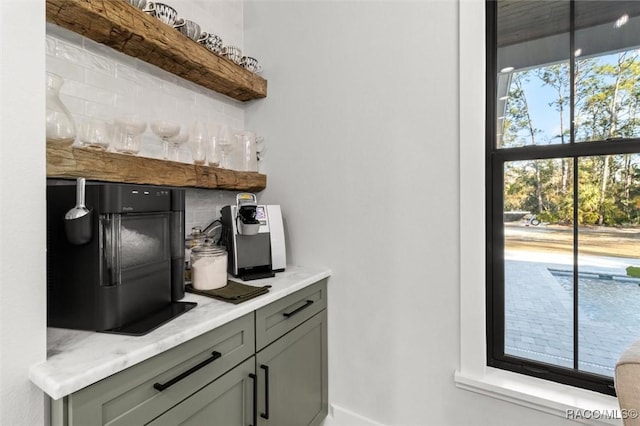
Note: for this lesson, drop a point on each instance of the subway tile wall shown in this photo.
(203, 206)
(100, 82)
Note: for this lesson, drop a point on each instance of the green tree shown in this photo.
(607, 98)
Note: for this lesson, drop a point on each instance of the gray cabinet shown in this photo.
(282, 316)
(220, 378)
(132, 397)
(292, 376)
(226, 401)
(292, 366)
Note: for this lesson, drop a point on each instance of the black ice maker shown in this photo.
(128, 277)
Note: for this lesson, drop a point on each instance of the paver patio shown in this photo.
(539, 311)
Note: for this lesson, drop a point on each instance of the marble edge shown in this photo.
(57, 388)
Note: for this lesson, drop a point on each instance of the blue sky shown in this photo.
(544, 117)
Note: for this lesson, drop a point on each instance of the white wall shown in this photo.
(362, 124)
(22, 206)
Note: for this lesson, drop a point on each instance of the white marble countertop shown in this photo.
(76, 358)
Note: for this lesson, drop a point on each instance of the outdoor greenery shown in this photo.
(607, 107)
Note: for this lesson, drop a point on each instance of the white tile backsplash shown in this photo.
(63, 67)
(203, 206)
(99, 63)
(103, 83)
(70, 52)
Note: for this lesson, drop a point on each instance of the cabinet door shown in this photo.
(227, 401)
(292, 376)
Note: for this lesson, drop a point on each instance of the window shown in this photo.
(563, 187)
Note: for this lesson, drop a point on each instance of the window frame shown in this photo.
(495, 158)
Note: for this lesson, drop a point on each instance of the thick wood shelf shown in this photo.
(71, 162)
(122, 27)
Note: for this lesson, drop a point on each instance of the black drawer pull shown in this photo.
(292, 313)
(255, 399)
(214, 355)
(265, 415)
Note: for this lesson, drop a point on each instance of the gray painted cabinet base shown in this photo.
(297, 370)
(292, 336)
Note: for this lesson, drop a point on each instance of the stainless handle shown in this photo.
(80, 184)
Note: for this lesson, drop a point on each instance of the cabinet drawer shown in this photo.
(129, 397)
(281, 316)
(227, 401)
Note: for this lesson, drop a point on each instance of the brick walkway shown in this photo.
(539, 310)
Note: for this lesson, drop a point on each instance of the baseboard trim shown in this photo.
(339, 416)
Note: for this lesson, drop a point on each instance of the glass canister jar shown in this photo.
(60, 125)
(208, 267)
(195, 239)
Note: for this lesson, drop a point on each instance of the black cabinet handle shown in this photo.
(254, 416)
(265, 415)
(214, 355)
(292, 313)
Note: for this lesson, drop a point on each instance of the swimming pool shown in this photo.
(539, 315)
(608, 316)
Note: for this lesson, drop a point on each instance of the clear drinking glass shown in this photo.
(199, 141)
(95, 134)
(213, 150)
(225, 143)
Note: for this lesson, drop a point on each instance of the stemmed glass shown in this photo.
(175, 143)
(165, 130)
(225, 142)
(127, 137)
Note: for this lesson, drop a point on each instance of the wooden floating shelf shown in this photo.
(71, 162)
(127, 29)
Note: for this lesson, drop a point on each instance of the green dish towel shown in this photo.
(233, 292)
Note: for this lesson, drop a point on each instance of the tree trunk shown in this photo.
(532, 135)
(612, 131)
(628, 180)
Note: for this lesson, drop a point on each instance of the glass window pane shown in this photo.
(567, 282)
(536, 111)
(608, 260)
(607, 70)
(538, 241)
(532, 87)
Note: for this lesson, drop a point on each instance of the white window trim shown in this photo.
(473, 373)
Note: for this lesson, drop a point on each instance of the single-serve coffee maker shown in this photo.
(254, 237)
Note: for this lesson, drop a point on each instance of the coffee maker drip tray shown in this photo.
(153, 320)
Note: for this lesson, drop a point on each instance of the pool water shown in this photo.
(606, 300)
(608, 318)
